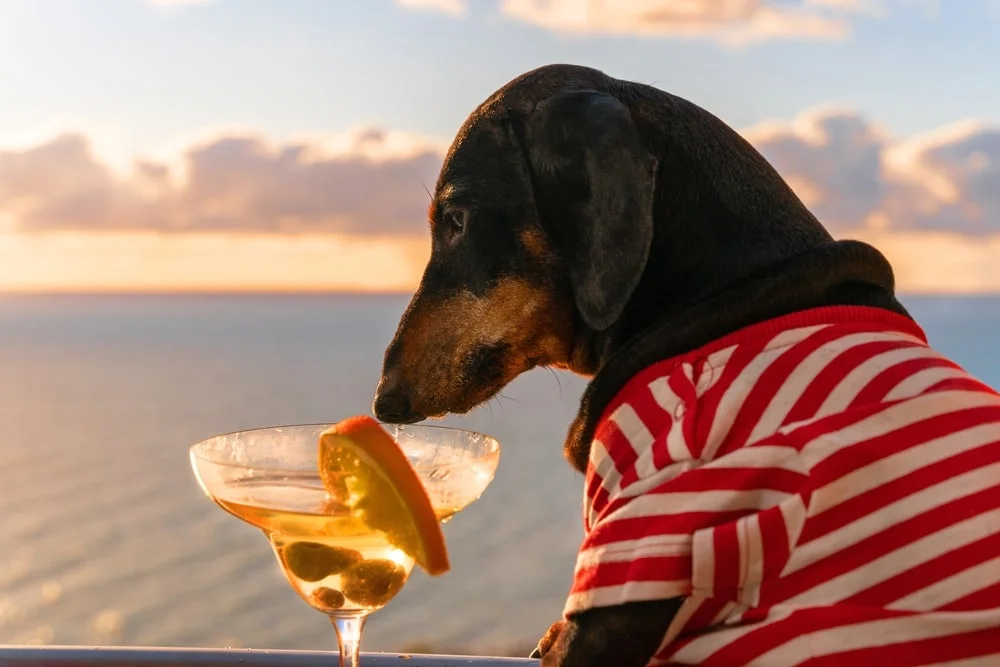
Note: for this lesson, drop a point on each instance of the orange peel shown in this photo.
(363, 467)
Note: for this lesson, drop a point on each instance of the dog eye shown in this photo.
(456, 222)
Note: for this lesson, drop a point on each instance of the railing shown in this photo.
(83, 656)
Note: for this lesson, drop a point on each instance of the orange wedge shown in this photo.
(361, 465)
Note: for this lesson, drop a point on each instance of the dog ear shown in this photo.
(594, 184)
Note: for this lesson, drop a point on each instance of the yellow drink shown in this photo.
(333, 560)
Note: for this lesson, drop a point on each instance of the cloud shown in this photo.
(450, 7)
(854, 175)
(949, 179)
(365, 182)
(172, 3)
(730, 21)
(177, 3)
(832, 159)
(869, 7)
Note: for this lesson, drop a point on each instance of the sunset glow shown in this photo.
(300, 156)
(81, 262)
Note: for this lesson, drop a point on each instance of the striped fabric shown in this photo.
(822, 489)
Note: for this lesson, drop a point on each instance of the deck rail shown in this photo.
(96, 656)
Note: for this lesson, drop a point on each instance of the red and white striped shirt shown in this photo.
(821, 488)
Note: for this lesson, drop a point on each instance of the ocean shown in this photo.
(106, 539)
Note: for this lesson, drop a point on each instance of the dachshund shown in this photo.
(608, 228)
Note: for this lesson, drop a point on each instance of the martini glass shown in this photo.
(338, 564)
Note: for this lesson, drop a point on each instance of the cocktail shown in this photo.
(343, 526)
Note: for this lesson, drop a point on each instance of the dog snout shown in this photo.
(392, 402)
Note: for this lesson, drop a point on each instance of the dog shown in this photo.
(758, 431)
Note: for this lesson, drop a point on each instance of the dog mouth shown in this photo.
(486, 369)
(485, 366)
(413, 418)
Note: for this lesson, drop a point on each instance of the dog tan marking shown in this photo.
(530, 325)
(432, 212)
(536, 243)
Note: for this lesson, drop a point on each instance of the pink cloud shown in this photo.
(730, 21)
(374, 183)
(851, 173)
(734, 21)
(450, 7)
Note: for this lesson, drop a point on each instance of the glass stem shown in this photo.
(349, 629)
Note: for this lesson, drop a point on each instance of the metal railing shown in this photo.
(86, 656)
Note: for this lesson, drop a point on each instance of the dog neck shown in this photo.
(835, 273)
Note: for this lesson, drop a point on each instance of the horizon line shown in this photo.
(209, 292)
(264, 292)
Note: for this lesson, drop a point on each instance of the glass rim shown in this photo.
(196, 449)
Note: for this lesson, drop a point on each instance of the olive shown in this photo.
(372, 583)
(328, 598)
(312, 561)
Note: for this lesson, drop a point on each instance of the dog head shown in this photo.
(541, 223)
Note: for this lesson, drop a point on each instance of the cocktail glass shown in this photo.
(340, 566)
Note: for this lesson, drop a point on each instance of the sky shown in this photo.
(286, 145)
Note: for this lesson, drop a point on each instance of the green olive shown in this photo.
(372, 583)
(312, 561)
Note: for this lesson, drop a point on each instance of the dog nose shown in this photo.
(392, 402)
(391, 405)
